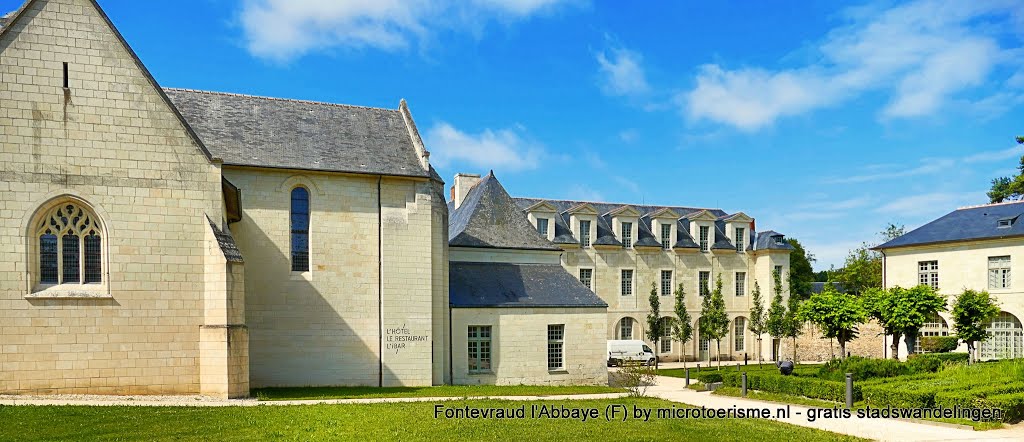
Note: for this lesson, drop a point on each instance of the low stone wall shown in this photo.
(810, 346)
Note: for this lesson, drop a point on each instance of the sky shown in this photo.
(823, 122)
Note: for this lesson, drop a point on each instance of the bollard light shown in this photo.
(743, 384)
(849, 391)
(687, 377)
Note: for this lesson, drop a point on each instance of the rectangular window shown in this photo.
(542, 226)
(739, 332)
(92, 259)
(627, 235)
(703, 279)
(999, 272)
(666, 282)
(666, 345)
(705, 237)
(627, 283)
(741, 283)
(584, 234)
(928, 273)
(586, 276)
(556, 346)
(626, 329)
(666, 236)
(740, 239)
(479, 348)
(71, 259)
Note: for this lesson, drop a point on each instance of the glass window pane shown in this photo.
(48, 259)
(300, 229)
(70, 254)
(92, 259)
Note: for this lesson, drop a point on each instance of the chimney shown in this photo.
(463, 183)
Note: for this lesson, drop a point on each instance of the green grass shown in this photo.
(395, 421)
(299, 393)
(751, 368)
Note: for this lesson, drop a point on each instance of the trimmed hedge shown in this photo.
(795, 385)
(971, 397)
(939, 344)
(708, 377)
(1012, 405)
(941, 357)
(862, 369)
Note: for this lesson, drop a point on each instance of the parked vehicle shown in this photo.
(620, 351)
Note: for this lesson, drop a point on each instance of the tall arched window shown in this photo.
(1007, 338)
(300, 229)
(70, 246)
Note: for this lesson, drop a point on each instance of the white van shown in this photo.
(634, 350)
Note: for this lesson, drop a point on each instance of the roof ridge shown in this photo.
(660, 206)
(263, 97)
(978, 206)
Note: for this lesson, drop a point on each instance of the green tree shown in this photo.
(794, 327)
(801, 273)
(901, 312)
(683, 329)
(922, 302)
(837, 315)
(714, 322)
(1009, 188)
(863, 267)
(756, 322)
(972, 310)
(654, 331)
(775, 324)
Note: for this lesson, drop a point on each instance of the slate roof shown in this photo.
(765, 241)
(965, 224)
(488, 217)
(246, 130)
(226, 243)
(477, 284)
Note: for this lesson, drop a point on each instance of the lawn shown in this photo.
(297, 393)
(395, 421)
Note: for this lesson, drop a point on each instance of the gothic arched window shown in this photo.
(70, 246)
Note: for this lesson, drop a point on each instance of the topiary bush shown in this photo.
(708, 377)
(939, 344)
(795, 385)
(862, 369)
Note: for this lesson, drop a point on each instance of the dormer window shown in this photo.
(1006, 222)
(627, 235)
(739, 238)
(666, 236)
(780, 240)
(542, 226)
(705, 239)
(584, 234)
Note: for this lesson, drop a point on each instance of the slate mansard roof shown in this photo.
(246, 130)
(486, 284)
(965, 224)
(646, 237)
(489, 218)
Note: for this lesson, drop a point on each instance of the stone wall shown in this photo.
(812, 348)
(111, 143)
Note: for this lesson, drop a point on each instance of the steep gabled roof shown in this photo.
(489, 218)
(12, 18)
(247, 130)
(965, 224)
(479, 284)
(767, 241)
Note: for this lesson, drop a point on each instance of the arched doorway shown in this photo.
(739, 334)
(1007, 338)
(703, 344)
(665, 344)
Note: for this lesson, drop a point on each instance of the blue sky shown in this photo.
(822, 122)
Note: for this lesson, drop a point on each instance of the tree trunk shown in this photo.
(911, 343)
(718, 351)
(758, 351)
(794, 350)
(895, 346)
(842, 349)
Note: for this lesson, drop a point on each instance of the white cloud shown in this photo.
(582, 192)
(629, 135)
(501, 149)
(931, 204)
(281, 30)
(927, 166)
(922, 53)
(622, 73)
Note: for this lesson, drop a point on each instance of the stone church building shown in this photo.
(175, 241)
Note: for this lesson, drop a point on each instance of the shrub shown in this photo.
(708, 377)
(958, 358)
(635, 378)
(974, 397)
(861, 368)
(901, 395)
(795, 385)
(1012, 405)
(939, 344)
